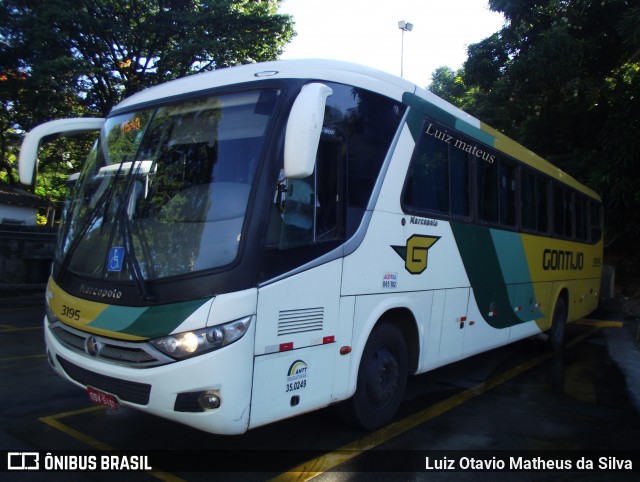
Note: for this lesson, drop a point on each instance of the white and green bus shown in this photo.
(257, 242)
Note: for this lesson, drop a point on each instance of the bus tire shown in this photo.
(558, 325)
(382, 378)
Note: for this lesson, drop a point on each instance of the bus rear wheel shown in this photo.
(558, 325)
(382, 378)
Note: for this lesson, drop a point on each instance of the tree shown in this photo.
(449, 85)
(104, 50)
(563, 78)
(63, 58)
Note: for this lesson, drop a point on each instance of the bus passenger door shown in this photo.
(297, 332)
(296, 344)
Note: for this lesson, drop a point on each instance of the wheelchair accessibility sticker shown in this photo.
(116, 259)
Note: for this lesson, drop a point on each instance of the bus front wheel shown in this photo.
(382, 377)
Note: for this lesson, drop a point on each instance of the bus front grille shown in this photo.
(127, 353)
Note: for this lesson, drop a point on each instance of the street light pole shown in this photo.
(405, 27)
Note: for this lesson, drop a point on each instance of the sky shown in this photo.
(366, 32)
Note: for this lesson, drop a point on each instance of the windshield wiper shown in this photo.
(100, 203)
(125, 225)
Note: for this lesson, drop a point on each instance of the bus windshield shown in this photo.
(164, 191)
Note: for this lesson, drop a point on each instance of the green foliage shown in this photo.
(70, 58)
(92, 53)
(452, 87)
(563, 78)
(449, 85)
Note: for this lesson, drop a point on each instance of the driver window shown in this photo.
(328, 206)
(310, 208)
(299, 212)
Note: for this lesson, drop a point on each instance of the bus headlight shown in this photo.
(197, 342)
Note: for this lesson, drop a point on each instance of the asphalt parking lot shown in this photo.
(518, 400)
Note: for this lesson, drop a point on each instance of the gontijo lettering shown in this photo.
(559, 260)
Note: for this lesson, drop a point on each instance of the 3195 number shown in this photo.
(70, 313)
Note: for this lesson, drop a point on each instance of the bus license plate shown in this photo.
(101, 398)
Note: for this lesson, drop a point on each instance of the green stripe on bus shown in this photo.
(416, 119)
(148, 322)
(475, 132)
(422, 107)
(117, 318)
(515, 271)
(163, 319)
(511, 256)
(485, 274)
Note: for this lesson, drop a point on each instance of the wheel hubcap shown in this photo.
(382, 377)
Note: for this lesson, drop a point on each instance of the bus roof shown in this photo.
(328, 70)
(365, 78)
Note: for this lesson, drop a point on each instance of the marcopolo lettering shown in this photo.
(559, 260)
(100, 292)
(423, 221)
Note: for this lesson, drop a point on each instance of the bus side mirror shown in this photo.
(303, 130)
(28, 159)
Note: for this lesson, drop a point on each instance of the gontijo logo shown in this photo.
(415, 252)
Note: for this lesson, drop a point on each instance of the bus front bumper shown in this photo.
(210, 392)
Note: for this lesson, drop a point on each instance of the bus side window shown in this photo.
(582, 217)
(507, 189)
(312, 207)
(562, 211)
(528, 203)
(488, 200)
(428, 186)
(533, 207)
(438, 178)
(595, 220)
(542, 204)
(297, 226)
(329, 185)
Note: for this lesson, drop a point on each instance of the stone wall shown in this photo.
(26, 253)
